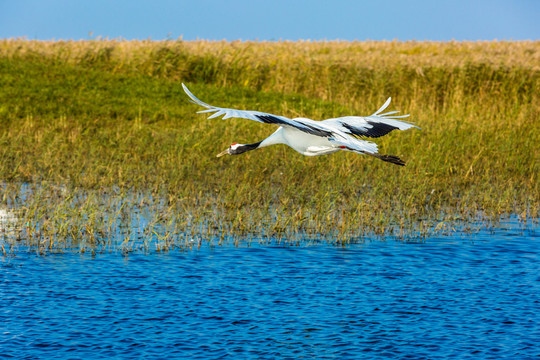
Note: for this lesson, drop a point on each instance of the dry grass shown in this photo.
(368, 54)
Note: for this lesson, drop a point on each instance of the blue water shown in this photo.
(474, 297)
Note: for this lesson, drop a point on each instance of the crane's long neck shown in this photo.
(247, 147)
(275, 138)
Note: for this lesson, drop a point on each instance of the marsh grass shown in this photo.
(100, 148)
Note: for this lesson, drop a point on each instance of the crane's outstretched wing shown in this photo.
(310, 128)
(375, 125)
(341, 131)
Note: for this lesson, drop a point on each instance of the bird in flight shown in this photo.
(312, 138)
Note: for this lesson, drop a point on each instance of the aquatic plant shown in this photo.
(100, 149)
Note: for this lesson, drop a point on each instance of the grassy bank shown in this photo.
(103, 136)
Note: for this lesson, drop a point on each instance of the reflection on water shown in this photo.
(6, 218)
(449, 297)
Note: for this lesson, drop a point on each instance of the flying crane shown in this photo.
(313, 138)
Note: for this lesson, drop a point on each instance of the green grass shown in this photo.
(124, 145)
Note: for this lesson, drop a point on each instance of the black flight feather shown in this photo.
(377, 129)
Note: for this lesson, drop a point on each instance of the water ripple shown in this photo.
(469, 298)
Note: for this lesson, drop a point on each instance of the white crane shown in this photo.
(312, 138)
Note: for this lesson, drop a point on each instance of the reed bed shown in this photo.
(100, 149)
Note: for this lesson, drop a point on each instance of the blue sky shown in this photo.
(272, 19)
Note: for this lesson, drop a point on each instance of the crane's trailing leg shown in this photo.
(390, 158)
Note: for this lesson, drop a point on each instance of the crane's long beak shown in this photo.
(226, 152)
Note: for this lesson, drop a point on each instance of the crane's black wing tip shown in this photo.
(376, 130)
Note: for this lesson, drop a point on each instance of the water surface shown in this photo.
(471, 297)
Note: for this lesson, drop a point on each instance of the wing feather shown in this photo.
(305, 125)
(389, 113)
(385, 105)
(374, 126)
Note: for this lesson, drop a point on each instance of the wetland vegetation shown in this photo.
(100, 148)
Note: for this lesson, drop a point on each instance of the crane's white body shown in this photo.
(305, 144)
(312, 138)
